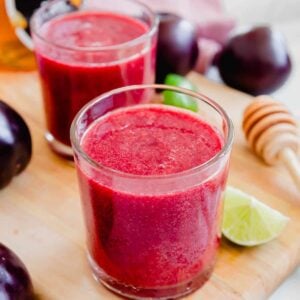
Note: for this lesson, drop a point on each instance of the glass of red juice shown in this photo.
(85, 48)
(152, 178)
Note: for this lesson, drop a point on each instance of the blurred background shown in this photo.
(281, 15)
(284, 16)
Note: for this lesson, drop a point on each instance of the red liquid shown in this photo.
(71, 78)
(152, 240)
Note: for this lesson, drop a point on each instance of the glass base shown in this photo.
(59, 148)
(162, 293)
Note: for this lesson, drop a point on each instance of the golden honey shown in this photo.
(13, 54)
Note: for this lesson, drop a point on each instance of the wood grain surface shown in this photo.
(41, 220)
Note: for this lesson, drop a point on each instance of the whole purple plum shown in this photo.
(177, 48)
(256, 61)
(15, 144)
(15, 282)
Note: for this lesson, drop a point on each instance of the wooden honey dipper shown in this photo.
(272, 133)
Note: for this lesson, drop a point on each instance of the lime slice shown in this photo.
(249, 222)
(178, 99)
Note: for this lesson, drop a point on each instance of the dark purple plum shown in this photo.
(255, 61)
(15, 144)
(177, 48)
(15, 282)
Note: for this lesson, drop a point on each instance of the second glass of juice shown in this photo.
(152, 178)
(85, 48)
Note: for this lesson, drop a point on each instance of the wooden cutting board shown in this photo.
(41, 220)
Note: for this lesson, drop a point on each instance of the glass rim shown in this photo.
(148, 34)
(224, 151)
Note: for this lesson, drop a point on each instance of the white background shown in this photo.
(283, 15)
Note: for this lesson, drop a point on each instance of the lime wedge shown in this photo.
(179, 99)
(249, 222)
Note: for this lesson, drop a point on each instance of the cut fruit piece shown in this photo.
(179, 99)
(249, 222)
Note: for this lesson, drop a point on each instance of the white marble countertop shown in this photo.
(284, 16)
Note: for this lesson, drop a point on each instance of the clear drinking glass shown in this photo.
(151, 236)
(85, 48)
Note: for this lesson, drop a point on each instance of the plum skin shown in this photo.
(15, 144)
(256, 62)
(177, 47)
(15, 282)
